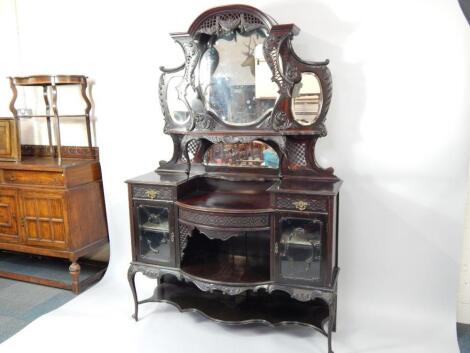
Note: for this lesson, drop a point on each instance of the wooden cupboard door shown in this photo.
(8, 216)
(5, 138)
(43, 218)
(8, 145)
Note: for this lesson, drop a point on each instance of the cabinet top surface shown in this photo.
(307, 187)
(45, 163)
(154, 178)
(300, 186)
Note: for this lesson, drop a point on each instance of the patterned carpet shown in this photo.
(21, 303)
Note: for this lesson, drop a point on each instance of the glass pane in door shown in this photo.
(155, 246)
(154, 233)
(300, 248)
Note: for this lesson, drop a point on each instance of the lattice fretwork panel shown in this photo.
(193, 149)
(296, 153)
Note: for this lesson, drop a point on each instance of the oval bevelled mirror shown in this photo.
(234, 79)
(307, 99)
(178, 111)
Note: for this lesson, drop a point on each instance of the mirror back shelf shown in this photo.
(241, 83)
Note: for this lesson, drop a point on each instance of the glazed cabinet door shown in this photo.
(300, 248)
(154, 233)
(8, 216)
(43, 218)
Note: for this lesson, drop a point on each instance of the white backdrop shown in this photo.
(398, 137)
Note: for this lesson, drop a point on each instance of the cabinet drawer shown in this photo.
(301, 203)
(33, 177)
(144, 192)
(225, 220)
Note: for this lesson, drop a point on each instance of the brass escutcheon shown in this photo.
(300, 205)
(151, 194)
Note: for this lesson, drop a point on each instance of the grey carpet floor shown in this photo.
(463, 335)
(21, 303)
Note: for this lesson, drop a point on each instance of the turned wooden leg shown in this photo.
(131, 278)
(74, 270)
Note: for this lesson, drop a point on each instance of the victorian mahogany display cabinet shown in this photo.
(51, 196)
(242, 215)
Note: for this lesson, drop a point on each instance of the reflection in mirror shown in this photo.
(235, 80)
(253, 154)
(178, 111)
(307, 99)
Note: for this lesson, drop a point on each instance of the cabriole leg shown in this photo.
(331, 322)
(131, 278)
(335, 310)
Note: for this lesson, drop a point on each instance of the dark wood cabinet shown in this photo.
(241, 223)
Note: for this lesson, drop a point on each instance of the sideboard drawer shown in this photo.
(13, 176)
(144, 192)
(301, 203)
(225, 220)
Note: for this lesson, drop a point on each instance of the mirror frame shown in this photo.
(286, 68)
(294, 142)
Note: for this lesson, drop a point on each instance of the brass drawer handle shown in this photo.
(151, 194)
(300, 205)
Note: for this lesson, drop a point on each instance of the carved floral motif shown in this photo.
(220, 24)
(281, 121)
(271, 48)
(204, 121)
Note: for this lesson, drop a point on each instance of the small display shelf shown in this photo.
(275, 309)
(49, 86)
